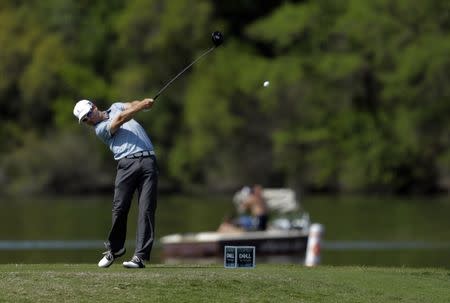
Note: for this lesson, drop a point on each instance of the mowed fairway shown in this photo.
(184, 283)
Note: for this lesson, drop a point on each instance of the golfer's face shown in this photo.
(91, 116)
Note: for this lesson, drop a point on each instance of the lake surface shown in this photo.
(372, 231)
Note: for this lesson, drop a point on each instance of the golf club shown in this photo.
(217, 39)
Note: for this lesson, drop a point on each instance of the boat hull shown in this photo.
(205, 245)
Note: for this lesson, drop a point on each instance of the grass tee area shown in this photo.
(198, 283)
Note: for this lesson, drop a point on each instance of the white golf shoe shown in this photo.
(109, 257)
(135, 262)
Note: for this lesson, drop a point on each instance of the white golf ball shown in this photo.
(266, 83)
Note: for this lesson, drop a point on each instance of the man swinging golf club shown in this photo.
(137, 169)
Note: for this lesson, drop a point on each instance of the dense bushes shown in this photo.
(358, 101)
(69, 163)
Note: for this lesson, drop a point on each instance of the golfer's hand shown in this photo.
(147, 103)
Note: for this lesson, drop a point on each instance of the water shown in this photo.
(378, 231)
(384, 231)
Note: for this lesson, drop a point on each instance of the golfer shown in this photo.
(137, 169)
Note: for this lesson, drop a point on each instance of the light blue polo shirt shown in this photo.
(130, 138)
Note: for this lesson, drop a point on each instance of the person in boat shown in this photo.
(254, 204)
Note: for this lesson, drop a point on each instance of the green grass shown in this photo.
(206, 283)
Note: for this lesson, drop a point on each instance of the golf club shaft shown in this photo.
(180, 73)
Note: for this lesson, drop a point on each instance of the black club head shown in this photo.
(217, 38)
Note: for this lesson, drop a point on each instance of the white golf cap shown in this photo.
(82, 108)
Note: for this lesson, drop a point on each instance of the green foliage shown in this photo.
(358, 97)
(365, 130)
(217, 129)
(58, 163)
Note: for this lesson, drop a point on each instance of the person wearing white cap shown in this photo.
(137, 170)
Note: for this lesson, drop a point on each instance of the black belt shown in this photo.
(142, 154)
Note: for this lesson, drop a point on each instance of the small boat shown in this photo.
(212, 244)
(287, 233)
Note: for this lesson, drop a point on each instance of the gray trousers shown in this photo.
(139, 174)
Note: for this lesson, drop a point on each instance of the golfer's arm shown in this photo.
(131, 109)
(127, 105)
